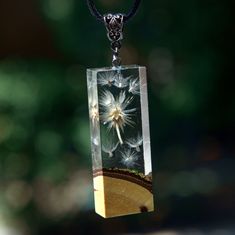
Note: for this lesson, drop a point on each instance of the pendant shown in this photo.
(120, 138)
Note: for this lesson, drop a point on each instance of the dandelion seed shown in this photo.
(106, 98)
(129, 158)
(93, 109)
(115, 113)
(94, 114)
(120, 81)
(134, 86)
(106, 79)
(109, 148)
(135, 142)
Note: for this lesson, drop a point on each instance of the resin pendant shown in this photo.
(120, 140)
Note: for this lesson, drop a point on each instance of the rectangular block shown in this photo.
(120, 140)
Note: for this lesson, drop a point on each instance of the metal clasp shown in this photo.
(114, 24)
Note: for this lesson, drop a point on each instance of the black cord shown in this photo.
(100, 17)
(133, 11)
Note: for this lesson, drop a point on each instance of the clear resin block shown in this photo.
(120, 140)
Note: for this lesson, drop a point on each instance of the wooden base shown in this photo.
(118, 194)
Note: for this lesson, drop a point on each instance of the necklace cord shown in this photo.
(100, 17)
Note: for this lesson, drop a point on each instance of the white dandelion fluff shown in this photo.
(115, 113)
(135, 142)
(129, 158)
(94, 113)
(120, 81)
(134, 86)
(110, 147)
(93, 109)
(107, 98)
(106, 79)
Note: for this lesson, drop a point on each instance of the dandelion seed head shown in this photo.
(106, 78)
(115, 112)
(134, 86)
(120, 81)
(135, 142)
(129, 158)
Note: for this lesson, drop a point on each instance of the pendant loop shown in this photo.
(114, 24)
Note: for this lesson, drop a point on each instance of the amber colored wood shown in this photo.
(117, 197)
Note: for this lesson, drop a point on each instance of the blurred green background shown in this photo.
(45, 162)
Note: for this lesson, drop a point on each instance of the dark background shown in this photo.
(45, 163)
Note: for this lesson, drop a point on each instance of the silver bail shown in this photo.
(114, 24)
